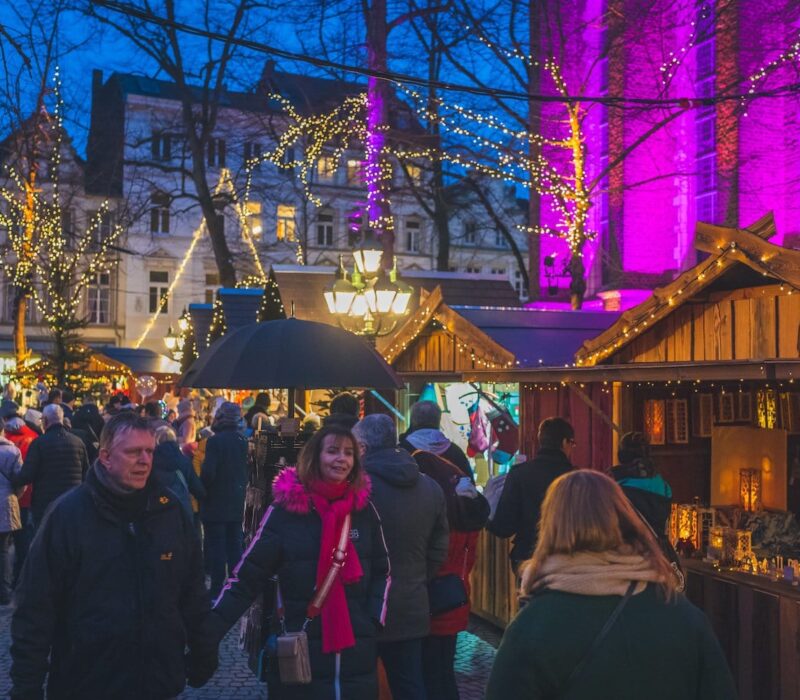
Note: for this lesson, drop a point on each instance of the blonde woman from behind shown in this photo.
(603, 619)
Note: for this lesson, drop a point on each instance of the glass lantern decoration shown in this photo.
(716, 542)
(750, 489)
(686, 528)
(744, 546)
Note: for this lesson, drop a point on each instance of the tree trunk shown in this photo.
(534, 124)
(20, 347)
(377, 170)
(577, 284)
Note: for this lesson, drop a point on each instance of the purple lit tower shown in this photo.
(725, 162)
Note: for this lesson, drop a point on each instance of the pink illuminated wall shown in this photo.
(756, 156)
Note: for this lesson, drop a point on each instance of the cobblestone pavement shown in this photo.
(234, 681)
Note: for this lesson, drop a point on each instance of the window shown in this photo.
(706, 139)
(414, 174)
(325, 228)
(603, 70)
(353, 171)
(500, 241)
(212, 284)
(326, 168)
(285, 229)
(159, 285)
(413, 235)
(287, 158)
(252, 154)
(160, 146)
(498, 271)
(705, 60)
(159, 213)
(706, 174)
(101, 224)
(216, 153)
(470, 233)
(519, 286)
(254, 221)
(472, 270)
(706, 206)
(99, 299)
(357, 228)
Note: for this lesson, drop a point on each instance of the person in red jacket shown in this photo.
(22, 436)
(467, 513)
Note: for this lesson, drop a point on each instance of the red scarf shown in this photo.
(333, 502)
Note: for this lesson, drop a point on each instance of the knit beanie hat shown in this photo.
(228, 415)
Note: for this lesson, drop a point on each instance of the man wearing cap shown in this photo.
(224, 474)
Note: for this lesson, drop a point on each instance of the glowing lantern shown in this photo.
(750, 489)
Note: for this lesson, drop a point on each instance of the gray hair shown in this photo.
(375, 432)
(426, 414)
(120, 425)
(165, 434)
(53, 414)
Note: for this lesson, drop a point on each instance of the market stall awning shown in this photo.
(140, 360)
(728, 371)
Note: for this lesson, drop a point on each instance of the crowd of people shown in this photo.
(129, 565)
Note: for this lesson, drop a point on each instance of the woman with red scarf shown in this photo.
(296, 541)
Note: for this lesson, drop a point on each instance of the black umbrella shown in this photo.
(290, 353)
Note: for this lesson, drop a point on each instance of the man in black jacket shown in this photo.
(414, 518)
(526, 485)
(224, 474)
(112, 588)
(56, 462)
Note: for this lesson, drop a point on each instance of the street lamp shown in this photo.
(171, 340)
(372, 301)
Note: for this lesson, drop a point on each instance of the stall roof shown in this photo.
(713, 371)
(728, 248)
(538, 337)
(140, 360)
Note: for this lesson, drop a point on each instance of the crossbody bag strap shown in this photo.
(338, 558)
(598, 640)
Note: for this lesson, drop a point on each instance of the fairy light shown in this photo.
(53, 266)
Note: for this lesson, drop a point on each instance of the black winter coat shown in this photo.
(520, 503)
(55, 463)
(287, 544)
(414, 516)
(114, 602)
(224, 474)
(168, 462)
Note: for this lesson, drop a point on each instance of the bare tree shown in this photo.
(154, 32)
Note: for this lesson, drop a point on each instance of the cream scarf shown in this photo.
(593, 573)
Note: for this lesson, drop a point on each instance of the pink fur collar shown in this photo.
(289, 492)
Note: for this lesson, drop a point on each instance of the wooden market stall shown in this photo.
(707, 368)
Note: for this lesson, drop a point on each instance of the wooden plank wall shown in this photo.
(744, 324)
(435, 351)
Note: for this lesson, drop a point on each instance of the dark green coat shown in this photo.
(656, 650)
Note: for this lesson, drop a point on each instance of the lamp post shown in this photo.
(174, 343)
(369, 301)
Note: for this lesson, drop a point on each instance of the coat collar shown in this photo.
(289, 492)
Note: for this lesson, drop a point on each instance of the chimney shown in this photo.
(97, 81)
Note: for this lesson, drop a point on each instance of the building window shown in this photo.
(413, 236)
(99, 299)
(216, 153)
(285, 229)
(160, 146)
(68, 225)
(353, 171)
(472, 270)
(519, 287)
(498, 271)
(255, 223)
(325, 228)
(414, 174)
(252, 154)
(287, 157)
(159, 286)
(326, 168)
(212, 284)
(500, 240)
(470, 233)
(101, 224)
(159, 213)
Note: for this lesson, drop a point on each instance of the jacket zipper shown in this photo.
(139, 605)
